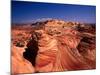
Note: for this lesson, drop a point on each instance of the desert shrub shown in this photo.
(20, 34)
(20, 44)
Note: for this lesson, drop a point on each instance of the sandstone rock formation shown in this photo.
(20, 64)
(55, 45)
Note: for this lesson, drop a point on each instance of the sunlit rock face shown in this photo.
(55, 46)
(20, 64)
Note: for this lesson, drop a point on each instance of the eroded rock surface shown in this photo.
(56, 45)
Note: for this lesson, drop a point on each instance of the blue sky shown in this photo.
(26, 12)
